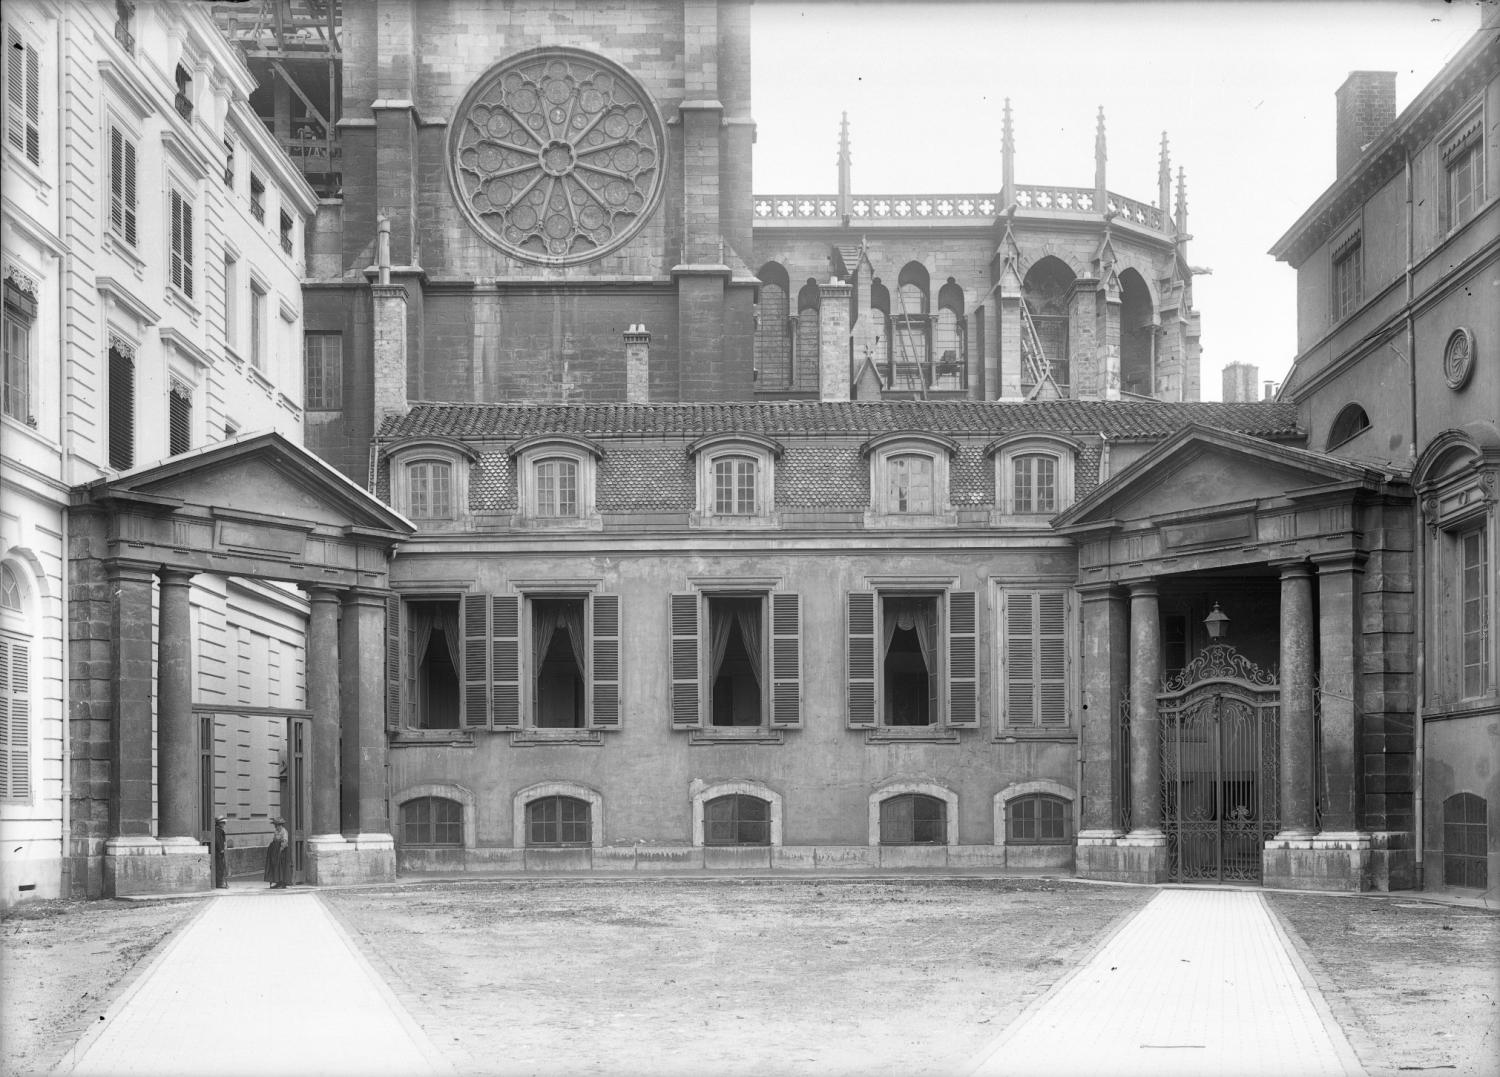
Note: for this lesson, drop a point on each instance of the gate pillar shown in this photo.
(1298, 751)
(1144, 849)
(1106, 682)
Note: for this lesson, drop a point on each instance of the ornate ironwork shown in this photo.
(1219, 661)
(557, 156)
(1219, 731)
(1123, 756)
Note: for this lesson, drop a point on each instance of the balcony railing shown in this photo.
(941, 376)
(125, 37)
(184, 105)
(286, 244)
(954, 207)
(258, 209)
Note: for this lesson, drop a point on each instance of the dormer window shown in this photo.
(909, 480)
(430, 479)
(555, 482)
(736, 480)
(1033, 477)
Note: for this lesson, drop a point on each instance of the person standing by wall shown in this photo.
(279, 856)
(221, 854)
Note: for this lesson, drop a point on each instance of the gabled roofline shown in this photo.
(1074, 518)
(128, 485)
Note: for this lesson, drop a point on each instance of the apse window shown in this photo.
(435, 647)
(737, 819)
(558, 822)
(559, 646)
(432, 821)
(913, 819)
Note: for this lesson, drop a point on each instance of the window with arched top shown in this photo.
(737, 819)
(1465, 842)
(949, 340)
(773, 340)
(1137, 335)
(1039, 819)
(909, 476)
(555, 478)
(429, 489)
(1350, 422)
(913, 819)
(809, 338)
(557, 487)
(15, 688)
(1033, 477)
(558, 821)
(432, 821)
(736, 480)
(10, 589)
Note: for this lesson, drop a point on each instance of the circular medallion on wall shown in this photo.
(1458, 358)
(557, 156)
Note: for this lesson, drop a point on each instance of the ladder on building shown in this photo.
(1033, 356)
(905, 355)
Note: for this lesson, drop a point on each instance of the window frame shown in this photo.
(527, 455)
(1473, 864)
(179, 409)
(1348, 423)
(1006, 452)
(1021, 791)
(1346, 279)
(1005, 594)
(707, 452)
(704, 792)
(18, 364)
(181, 240)
(320, 400)
(1462, 145)
(260, 322)
(707, 678)
(124, 186)
(18, 648)
(892, 790)
(532, 823)
(955, 652)
(886, 448)
(432, 468)
(29, 121)
(429, 799)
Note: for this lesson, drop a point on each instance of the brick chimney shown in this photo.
(637, 365)
(1366, 106)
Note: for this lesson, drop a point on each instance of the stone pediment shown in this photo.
(1202, 468)
(261, 477)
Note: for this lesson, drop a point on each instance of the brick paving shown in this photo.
(1199, 982)
(259, 983)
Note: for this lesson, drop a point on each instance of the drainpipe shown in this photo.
(1419, 590)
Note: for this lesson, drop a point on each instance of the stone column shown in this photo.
(1145, 676)
(177, 747)
(1340, 629)
(833, 340)
(130, 806)
(1105, 684)
(1298, 758)
(323, 695)
(362, 763)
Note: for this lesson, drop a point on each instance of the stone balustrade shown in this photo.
(954, 207)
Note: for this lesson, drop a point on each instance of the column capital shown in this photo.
(176, 577)
(365, 596)
(1293, 569)
(1109, 591)
(130, 568)
(1340, 561)
(1141, 588)
(318, 592)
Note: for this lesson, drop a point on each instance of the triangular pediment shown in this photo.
(262, 475)
(1201, 468)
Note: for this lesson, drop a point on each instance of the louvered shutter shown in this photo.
(687, 709)
(861, 659)
(1052, 657)
(1020, 659)
(33, 106)
(786, 661)
(23, 88)
(604, 662)
(505, 661)
(175, 200)
(117, 180)
(15, 718)
(121, 410)
(128, 191)
(476, 651)
(393, 662)
(187, 248)
(963, 690)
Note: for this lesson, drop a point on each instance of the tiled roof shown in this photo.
(1114, 419)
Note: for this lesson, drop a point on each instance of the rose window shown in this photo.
(557, 156)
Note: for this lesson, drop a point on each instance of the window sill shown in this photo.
(126, 253)
(433, 738)
(534, 738)
(749, 734)
(916, 734)
(232, 355)
(1061, 735)
(33, 174)
(591, 522)
(259, 377)
(899, 521)
(183, 303)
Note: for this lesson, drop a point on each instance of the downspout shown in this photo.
(1419, 590)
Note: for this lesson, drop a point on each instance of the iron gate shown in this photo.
(1219, 722)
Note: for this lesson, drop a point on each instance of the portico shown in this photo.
(1288, 542)
(258, 509)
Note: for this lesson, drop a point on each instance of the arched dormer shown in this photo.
(1033, 477)
(736, 480)
(556, 476)
(429, 480)
(909, 479)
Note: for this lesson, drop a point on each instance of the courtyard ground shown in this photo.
(767, 975)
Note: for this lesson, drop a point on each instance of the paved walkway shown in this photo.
(259, 983)
(1198, 983)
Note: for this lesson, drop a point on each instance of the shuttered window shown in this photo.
(23, 96)
(1036, 659)
(122, 211)
(182, 243)
(687, 709)
(179, 419)
(16, 388)
(121, 410)
(15, 718)
(258, 329)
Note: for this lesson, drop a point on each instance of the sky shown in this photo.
(1244, 91)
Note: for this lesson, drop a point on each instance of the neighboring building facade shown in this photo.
(153, 255)
(1241, 382)
(1398, 329)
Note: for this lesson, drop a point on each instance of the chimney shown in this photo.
(1271, 387)
(637, 365)
(389, 303)
(1239, 382)
(1366, 106)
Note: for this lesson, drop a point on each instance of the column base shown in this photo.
(150, 867)
(1110, 856)
(334, 860)
(1326, 861)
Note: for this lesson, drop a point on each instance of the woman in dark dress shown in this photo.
(279, 856)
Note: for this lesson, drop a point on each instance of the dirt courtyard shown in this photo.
(766, 976)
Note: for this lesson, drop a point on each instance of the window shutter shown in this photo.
(687, 710)
(1052, 664)
(861, 658)
(15, 718)
(176, 202)
(129, 192)
(15, 90)
(393, 662)
(605, 662)
(786, 660)
(33, 106)
(121, 410)
(187, 248)
(476, 649)
(505, 661)
(117, 180)
(963, 692)
(1020, 659)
